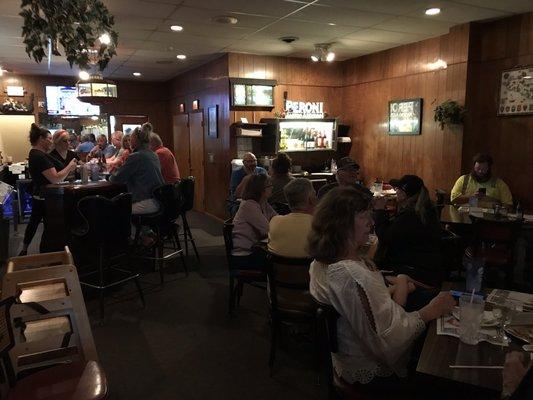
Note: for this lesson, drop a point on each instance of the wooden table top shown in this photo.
(441, 351)
(81, 187)
(451, 215)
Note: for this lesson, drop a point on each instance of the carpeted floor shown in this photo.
(183, 345)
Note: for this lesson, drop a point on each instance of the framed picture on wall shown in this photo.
(516, 91)
(129, 128)
(405, 117)
(212, 121)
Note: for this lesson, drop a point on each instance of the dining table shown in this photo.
(461, 215)
(439, 352)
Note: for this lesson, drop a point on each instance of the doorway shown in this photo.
(188, 132)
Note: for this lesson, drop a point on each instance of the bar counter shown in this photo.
(61, 209)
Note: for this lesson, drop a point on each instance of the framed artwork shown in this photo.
(516, 91)
(405, 117)
(212, 121)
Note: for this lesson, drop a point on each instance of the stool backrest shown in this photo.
(170, 199)
(106, 221)
(499, 232)
(227, 232)
(187, 191)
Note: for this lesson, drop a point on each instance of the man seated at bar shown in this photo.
(287, 234)
(84, 147)
(249, 161)
(43, 172)
(116, 141)
(281, 176)
(169, 168)
(122, 154)
(375, 333)
(141, 173)
(102, 148)
(481, 185)
(61, 155)
(347, 175)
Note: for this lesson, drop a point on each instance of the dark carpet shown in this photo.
(183, 344)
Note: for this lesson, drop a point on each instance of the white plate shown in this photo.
(488, 318)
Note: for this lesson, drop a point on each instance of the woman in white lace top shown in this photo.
(375, 333)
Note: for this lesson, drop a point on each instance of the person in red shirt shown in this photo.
(169, 168)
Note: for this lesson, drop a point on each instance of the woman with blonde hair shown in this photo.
(61, 154)
(375, 333)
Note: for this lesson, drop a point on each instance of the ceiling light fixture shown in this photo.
(322, 53)
(84, 75)
(176, 28)
(332, 23)
(105, 39)
(181, 56)
(137, 74)
(1, 71)
(433, 11)
(225, 19)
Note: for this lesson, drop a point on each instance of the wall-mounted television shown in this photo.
(252, 92)
(307, 135)
(63, 100)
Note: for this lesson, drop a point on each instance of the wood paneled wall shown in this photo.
(134, 98)
(497, 46)
(370, 82)
(208, 83)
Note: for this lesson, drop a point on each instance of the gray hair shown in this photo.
(297, 192)
(143, 133)
(155, 140)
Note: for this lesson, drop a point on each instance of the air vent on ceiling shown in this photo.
(225, 19)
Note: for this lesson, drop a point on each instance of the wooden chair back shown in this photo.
(327, 318)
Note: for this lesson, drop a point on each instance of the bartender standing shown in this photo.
(43, 172)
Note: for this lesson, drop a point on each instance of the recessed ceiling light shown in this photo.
(528, 77)
(181, 56)
(105, 39)
(433, 11)
(176, 28)
(84, 75)
(225, 19)
(137, 74)
(332, 23)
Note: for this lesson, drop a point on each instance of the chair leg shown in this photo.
(274, 327)
(240, 291)
(231, 304)
(185, 238)
(187, 231)
(176, 240)
(160, 253)
(100, 261)
(139, 289)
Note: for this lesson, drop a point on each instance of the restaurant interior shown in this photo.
(293, 199)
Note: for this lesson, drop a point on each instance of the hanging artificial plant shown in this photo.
(449, 113)
(76, 25)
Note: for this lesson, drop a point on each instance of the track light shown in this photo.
(322, 53)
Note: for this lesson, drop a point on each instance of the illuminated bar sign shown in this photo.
(405, 117)
(301, 109)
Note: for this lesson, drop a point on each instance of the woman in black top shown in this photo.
(409, 242)
(61, 155)
(43, 172)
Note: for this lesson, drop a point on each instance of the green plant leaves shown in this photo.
(449, 113)
(75, 25)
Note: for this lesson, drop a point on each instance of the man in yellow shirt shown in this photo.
(287, 234)
(482, 184)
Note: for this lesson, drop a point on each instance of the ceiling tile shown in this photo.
(458, 13)
(275, 8)
(139, 8)
(340, 16)
(187, 16)
(416, 25)
(302, 29)
(377, 35)
(391, 7)
(517, 6)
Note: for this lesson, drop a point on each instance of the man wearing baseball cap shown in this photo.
(347, 175)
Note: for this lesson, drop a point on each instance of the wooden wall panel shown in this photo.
(370, 82)
(500, 45)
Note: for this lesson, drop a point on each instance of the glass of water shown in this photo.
(471, 309)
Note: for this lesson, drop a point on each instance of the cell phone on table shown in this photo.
(456, 294)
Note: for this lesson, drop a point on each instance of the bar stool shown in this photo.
(187, 191)
(107, 229)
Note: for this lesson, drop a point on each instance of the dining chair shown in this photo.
(494, 241)
(238, 277)
(187, 191)
(289, 297)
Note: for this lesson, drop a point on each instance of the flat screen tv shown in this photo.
(63, 100)
(307, 135)
(252, 92)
